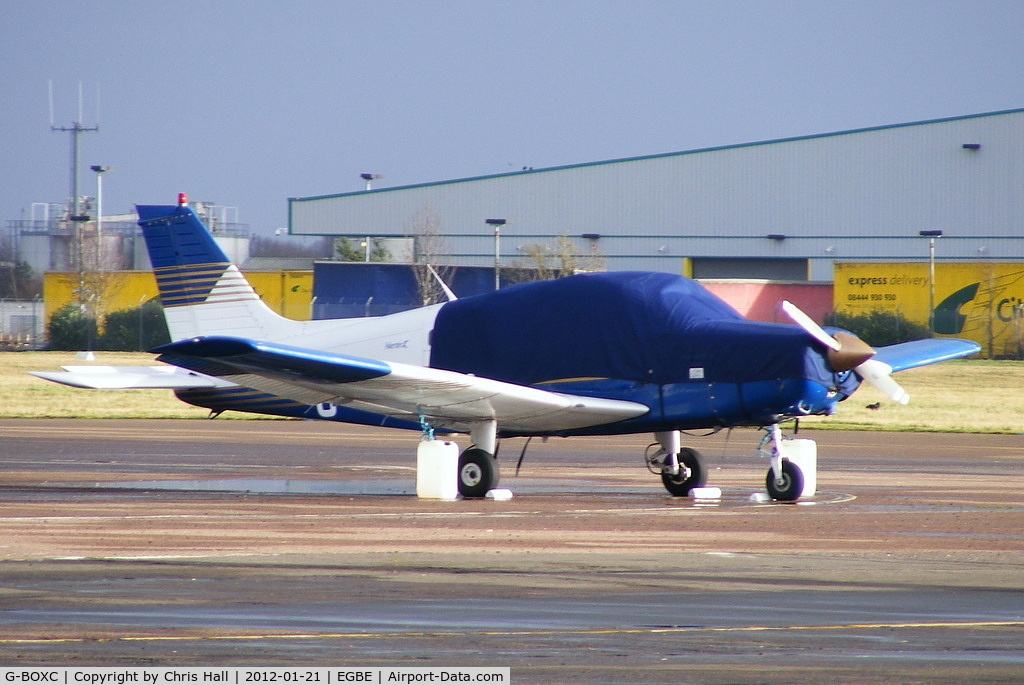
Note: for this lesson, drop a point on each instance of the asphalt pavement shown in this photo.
(200, 543)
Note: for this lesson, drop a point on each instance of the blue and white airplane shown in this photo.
(592, 354)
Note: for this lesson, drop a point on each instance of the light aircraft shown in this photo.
(591, 354)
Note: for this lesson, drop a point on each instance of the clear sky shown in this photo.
(249, 103)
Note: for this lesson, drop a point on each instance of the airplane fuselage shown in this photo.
(682, 353)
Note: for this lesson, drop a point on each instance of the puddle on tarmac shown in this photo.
(270, 486)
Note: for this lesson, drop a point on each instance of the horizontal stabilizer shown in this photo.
(916, 353)
(130, 378)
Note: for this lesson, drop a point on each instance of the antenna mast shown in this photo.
(76, 129)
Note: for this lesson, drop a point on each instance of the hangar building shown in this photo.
(781, 209)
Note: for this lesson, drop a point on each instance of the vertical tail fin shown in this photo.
(203, 293)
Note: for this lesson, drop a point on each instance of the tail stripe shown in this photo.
(202, 283)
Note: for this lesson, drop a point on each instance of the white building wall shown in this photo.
(22, 324)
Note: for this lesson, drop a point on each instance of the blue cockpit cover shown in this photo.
(633, 326)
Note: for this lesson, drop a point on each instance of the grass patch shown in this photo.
(26, 396)
(966, 396)
(962, 396)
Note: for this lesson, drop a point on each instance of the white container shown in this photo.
(706, 493)
(804, 455)
(437, 470)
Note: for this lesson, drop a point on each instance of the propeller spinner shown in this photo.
(847, 352)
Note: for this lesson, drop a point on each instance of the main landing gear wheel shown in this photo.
(692, 474)
(789, 486)
(478, 473)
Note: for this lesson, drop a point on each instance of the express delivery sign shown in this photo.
(981, 301)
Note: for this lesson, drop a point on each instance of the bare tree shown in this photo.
(429, 251)
(17, 279)
(290, 246)
(95, 285)
(557, 259)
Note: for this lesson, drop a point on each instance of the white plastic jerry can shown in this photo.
(437, 470)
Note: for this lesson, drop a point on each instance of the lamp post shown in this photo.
(369, 179)
(100, 170)
(497, 224)
(931, 235)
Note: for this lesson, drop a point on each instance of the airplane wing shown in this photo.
(446, 398)
(130, 378)
(916, 353)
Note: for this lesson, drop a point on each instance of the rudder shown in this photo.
(202, 292)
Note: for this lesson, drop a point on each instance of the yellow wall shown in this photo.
(979, 301)
(286, 292)
(289, 293)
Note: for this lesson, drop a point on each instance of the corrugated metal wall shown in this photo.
(854, 195)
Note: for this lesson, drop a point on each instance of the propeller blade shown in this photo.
(848, 352)
(808, 324)
(845, 351)
(879, 375)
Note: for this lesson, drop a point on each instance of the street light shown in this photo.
(497, 224)
(369, 178)
(931, 235)
(100, 170)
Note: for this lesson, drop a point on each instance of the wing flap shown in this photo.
(447, 398)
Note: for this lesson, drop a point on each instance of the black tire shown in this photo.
(692, 474)
(791, 485)
(478, 473)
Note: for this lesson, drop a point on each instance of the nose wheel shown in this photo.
(785, 480)
(788, 485)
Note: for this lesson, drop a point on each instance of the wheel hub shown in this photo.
(471, 474)
(680, 476)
